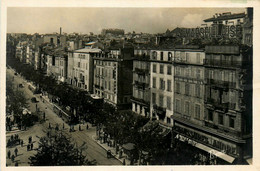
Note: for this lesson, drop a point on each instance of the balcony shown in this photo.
(138, 100)
(217, 104)
(141, 71)
(221, 84)
(141, 85)
(222, 63)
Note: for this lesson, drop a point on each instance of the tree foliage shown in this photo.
(58, 150)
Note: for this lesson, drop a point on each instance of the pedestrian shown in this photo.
(12, 158)
(49, 125)
(12, 137)
(16, 163)
(87, 126)
(21, 143)
(16, 151)
(43, 115)
(63, 126)
(28, 147)
(31, 146)
(9, 154)
(30, 139)
(124, 162)
(79, 128)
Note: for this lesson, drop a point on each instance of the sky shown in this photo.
(85, 20)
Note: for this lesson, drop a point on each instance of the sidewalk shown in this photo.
(113, 151)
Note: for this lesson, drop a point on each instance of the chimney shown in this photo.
(60, 30)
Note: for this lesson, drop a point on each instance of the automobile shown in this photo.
(21, 85)
(34, 100)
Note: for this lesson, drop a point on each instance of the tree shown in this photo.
(58, 150)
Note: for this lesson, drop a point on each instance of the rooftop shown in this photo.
(88, 50)
(225, 16)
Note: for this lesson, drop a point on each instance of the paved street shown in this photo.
(93, 150)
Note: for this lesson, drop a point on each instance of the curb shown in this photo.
(114, 155)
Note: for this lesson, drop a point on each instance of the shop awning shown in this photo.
(219, 154)
(128, 146)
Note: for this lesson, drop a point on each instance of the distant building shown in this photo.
(56, 39)
(57, 65)
(113, 76)
(80, 68)
(112, 31)
(141, 82)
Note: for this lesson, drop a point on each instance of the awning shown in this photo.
(128, 146)
(219, 154)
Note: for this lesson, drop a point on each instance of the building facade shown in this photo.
(141, 82)
(161, 84)
(113, 76)
(80, 68)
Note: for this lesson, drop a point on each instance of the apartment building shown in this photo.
(80, 68)
(113, 76)
(161, 84)
(141, 82)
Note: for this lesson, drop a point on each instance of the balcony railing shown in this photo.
(141, 71)
(220, 83)
(159, 108)
(139, 100)
(222, 63)
(217, 104)
(141, 85)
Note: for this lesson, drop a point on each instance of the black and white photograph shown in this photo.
(121, 86)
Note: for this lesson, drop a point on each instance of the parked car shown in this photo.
(34, 100)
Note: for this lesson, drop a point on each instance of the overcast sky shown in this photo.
(85, 20)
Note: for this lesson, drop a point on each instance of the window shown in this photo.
(154, 82)
(178, 106)
(169, 85)
(168, 120)
(178, 71)
(161, 100)
(232, 122)
(210, 117)
(154, 55)
(162, 86)
(169, 70)
(187, 89)
(169, 56)
(161, 69)
(169, 103)
(220, 119)
(187, 108)
(178, 88)
(86, 66)
(153, 98)
(198, 58)
(198, 73)
(197, 91)
(154, 68)
(79, 64)
(197, 111)
(161, 56)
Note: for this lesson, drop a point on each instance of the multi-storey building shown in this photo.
(141, 82)
(113, 76)
(189, 87)
(161, 84)
(57, 65)
(228, 99)
(80, 68)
